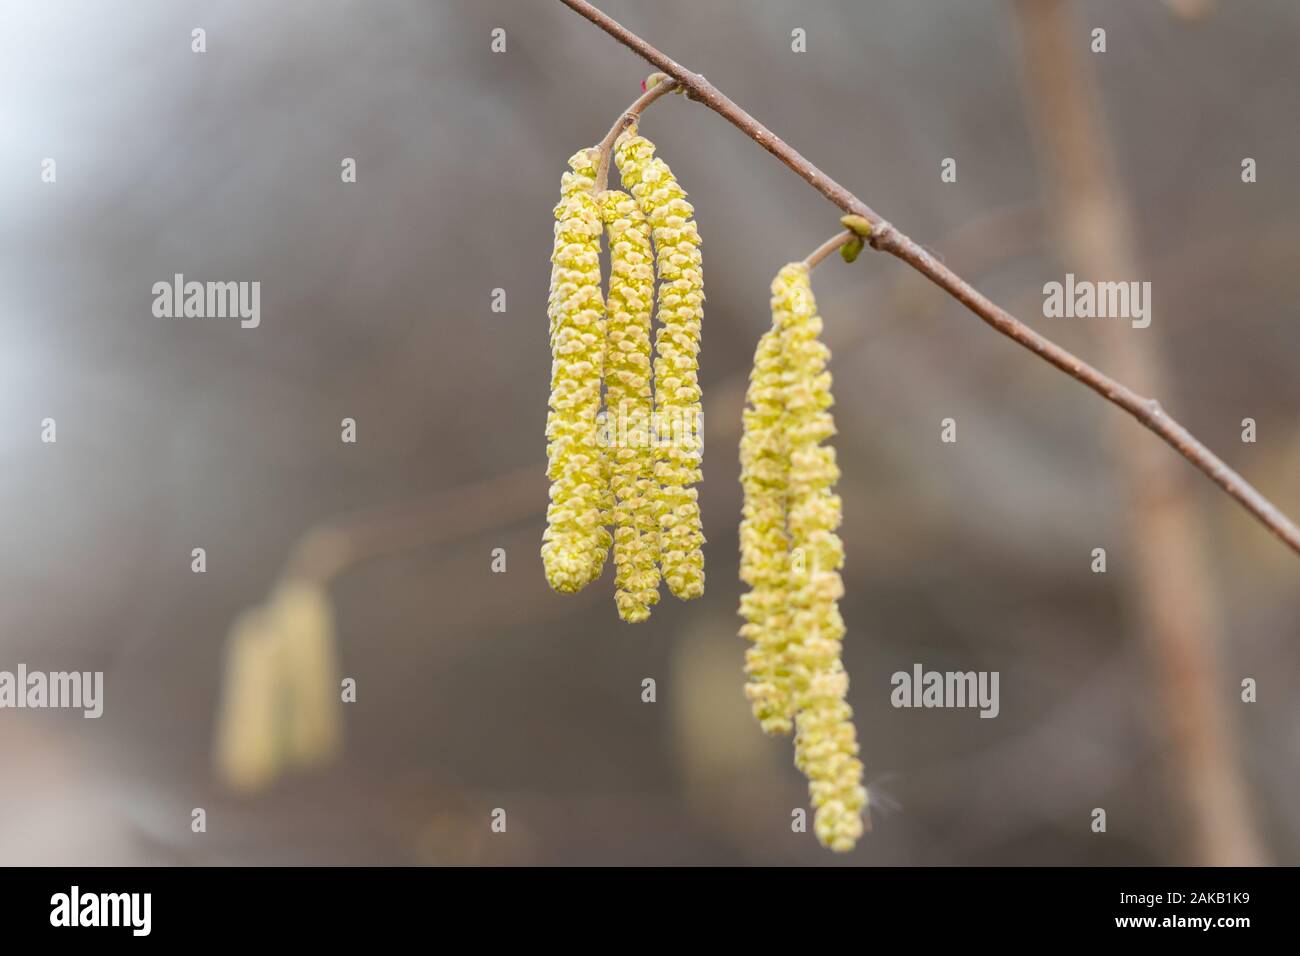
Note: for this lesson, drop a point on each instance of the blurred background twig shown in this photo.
(1171, 590)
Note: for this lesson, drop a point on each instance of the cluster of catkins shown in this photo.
(623, 453)
(791, 556)
(278, 708)
(623, 431)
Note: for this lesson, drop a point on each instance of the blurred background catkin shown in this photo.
(479, 690)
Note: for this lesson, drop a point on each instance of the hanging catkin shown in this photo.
(576, 542)
(304, 635)
(764, 541)
(791, 556)
(825, 742)
(676, 364)
(629, 406)
(247, 751)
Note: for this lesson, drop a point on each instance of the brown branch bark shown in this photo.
(888, 238)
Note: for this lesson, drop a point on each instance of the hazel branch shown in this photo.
(886, 237)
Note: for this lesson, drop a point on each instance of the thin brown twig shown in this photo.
(888, 238)
(656, 85)
(329, 549)
(826, 248)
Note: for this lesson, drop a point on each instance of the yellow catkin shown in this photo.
(764, 541)
(304, 635)
(825, 741)
(676, 365)
(629, 406)
(247, 750)
(576, 542)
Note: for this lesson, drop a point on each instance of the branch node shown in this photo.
(694, 94)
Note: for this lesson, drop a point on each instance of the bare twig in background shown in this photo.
(888, 238)
(1191, 9)
(329, 549)
(1172, 591)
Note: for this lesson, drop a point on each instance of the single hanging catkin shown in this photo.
(304, 633)
(247, 754)
(676, 365)
(826, 745)
(576, 542)
(764, 541)
(629, 406)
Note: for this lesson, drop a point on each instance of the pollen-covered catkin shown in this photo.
(576, 542)
(247, 751)
(279, 703)
(676, 365)
(304, 628)
(825, 741)
(629, 406)
(764, 541)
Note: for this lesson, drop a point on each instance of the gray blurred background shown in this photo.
(479, 690)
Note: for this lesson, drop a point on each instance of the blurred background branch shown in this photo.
(1171, 591)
